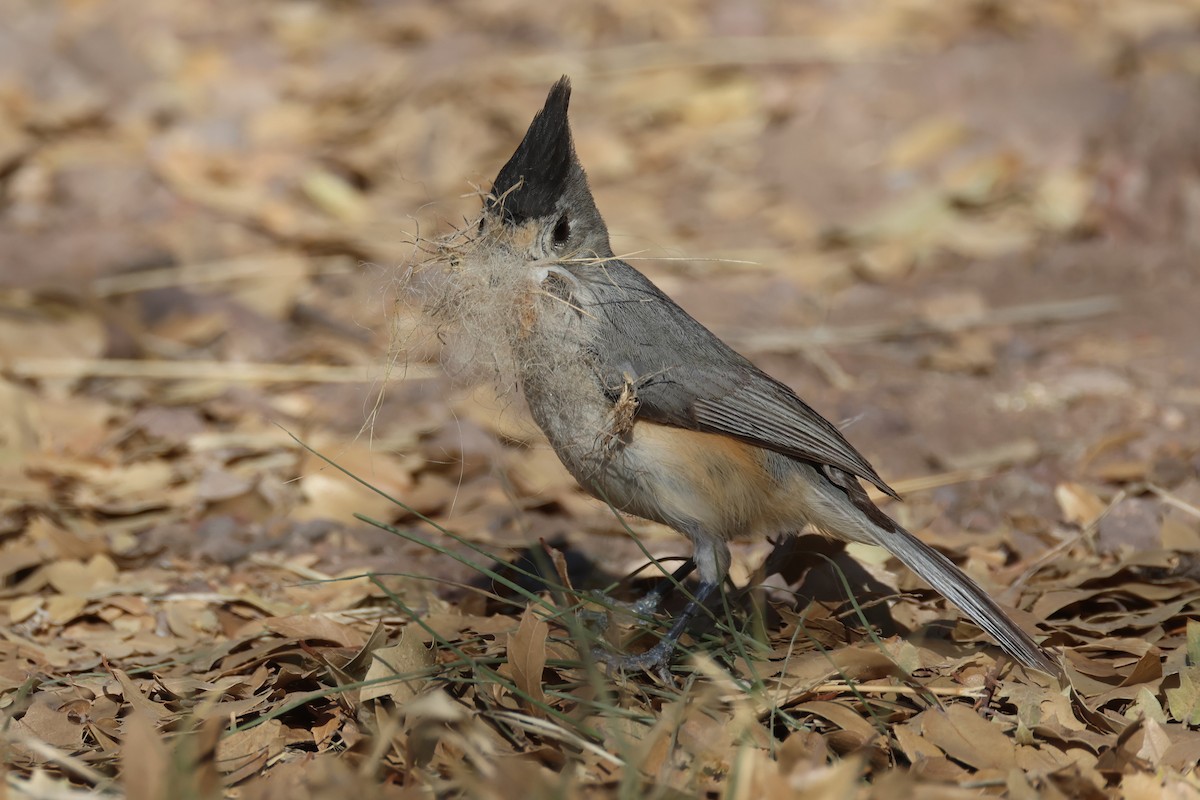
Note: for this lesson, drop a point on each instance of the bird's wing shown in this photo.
(683, 375)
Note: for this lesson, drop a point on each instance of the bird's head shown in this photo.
(540, 204)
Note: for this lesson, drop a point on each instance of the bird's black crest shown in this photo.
(541, 166)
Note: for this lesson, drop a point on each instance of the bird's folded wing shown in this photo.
(684, 375)
(755, 409)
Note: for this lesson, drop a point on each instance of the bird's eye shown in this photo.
(562, 231)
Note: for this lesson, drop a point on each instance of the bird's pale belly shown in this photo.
(690, 480)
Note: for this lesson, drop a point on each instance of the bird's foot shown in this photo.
(595, 620)
(599, 619)
(656, 660)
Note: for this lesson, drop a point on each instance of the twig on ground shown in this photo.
(66, 761)
(1030, 314)
(224, 371)
(223, 270)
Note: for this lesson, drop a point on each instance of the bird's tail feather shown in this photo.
(862, 521)
(969, 596)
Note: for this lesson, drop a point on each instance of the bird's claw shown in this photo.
(594, 620)
(639, 609)
(656, 660)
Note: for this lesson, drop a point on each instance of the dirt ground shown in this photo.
(967, 232)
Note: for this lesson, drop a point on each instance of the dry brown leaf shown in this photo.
(74, 577)
(275, 291)
(315, 629)
(1183, 701)
(405, 664)
(144, 759)
(848, 719)
(336, 197)
(1061, 199)
(912, 741)
(136, 699)
(51, 330)
(1079, 505)
(527, 658)
(925, 141)
(965, 736)
(62, 609)
(247, 751)
(44, 720)
(886, 261)
(983, 180)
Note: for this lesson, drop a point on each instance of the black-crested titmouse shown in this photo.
(654, 414)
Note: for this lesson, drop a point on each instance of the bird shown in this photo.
(653, 413)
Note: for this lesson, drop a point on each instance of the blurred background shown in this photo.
(967, 231)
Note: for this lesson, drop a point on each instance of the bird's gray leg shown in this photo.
(649, 602)
(712, 559)
(659, 656)
(644, 606)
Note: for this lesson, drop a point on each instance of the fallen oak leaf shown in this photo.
(1079, 505)
(1183, 701)
(244, 752)
(967, 737)
(527, 658)
(313, 628)
(405, 664)
(138, 701)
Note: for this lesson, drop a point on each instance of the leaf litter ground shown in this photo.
(971, 230)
